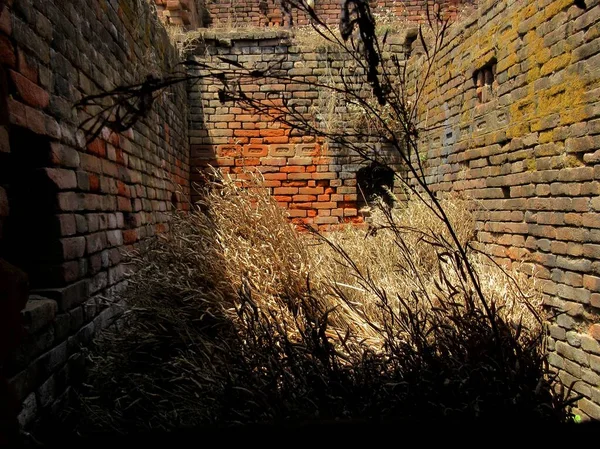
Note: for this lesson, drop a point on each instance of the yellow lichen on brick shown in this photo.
(506, 62)
(522, 110)
(528, 11)
(518, 129)
(566, 161)
(593, 32)
(533, 74)
(547, 137)
(561, 97)
(575, 115)
(555, 64)
(552, 9)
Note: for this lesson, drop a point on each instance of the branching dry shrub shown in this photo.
(236, 317)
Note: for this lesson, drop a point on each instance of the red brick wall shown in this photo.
(314, 181)
(301, 171)
(67, 209)
(185, 13)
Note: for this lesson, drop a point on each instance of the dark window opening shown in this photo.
(411, 37)
(375, 181)
(485, 81)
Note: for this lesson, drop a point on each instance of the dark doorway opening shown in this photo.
(30, 235)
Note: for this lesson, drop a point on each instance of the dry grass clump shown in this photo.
(236, 317)
(310, 40)
(407, 254)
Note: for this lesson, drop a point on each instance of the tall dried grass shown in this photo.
(236, 317)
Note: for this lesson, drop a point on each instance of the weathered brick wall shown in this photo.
(235, 13)
(514, 121)
(316, 182)
(184, 13)
(68, 209)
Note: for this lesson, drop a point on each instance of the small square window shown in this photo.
(485, 82)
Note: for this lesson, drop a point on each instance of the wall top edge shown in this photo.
(239, 35)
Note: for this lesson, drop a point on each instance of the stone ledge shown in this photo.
(67, 297)
(244, 35)
(38, 313)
